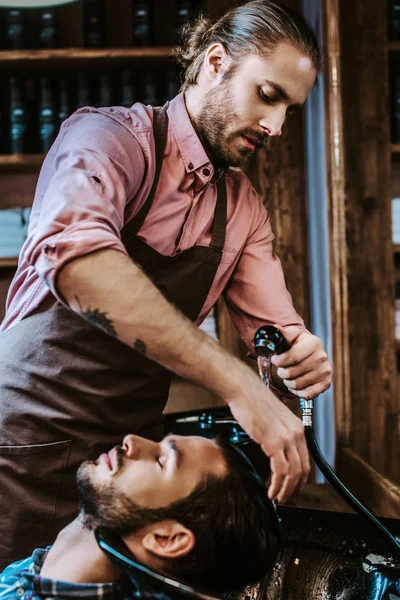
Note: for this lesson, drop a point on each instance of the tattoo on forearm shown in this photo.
(140, 346)
(98, 318)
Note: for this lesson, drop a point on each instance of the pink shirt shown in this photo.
(96, 177)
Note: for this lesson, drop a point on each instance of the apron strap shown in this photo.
(219, 225)
(160, 129)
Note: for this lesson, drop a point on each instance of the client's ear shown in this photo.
(168, 539)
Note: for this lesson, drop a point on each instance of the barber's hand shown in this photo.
(305, 368)
(280, 434)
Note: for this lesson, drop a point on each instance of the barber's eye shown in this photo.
(266, 98)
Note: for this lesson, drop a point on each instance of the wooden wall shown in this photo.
(278, 174)
(368, 419)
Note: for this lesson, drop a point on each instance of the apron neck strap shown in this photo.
(160, 130)
(219, 226)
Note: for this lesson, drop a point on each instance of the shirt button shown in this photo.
(50, 248)
(190, 166)
(20, 592)
(206, 172)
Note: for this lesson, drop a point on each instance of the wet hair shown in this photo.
(235, 525)
(255, 27)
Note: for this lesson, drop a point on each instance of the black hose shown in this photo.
(346, 494)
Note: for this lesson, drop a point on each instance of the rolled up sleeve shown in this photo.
(256, 294)
(98, 167)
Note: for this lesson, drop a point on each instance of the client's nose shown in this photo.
(136, 447)
(130, 445)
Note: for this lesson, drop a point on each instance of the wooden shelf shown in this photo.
(69, 57)
(20, 162)
(9, 262)
(396, 248)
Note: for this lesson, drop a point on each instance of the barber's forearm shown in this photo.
(110, 291)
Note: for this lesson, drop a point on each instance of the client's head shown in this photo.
(189, 507)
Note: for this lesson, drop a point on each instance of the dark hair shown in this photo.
(235, 525)
(255, 27)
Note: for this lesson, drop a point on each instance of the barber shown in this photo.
(138, 226)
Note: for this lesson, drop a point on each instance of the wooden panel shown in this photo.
(11, 261)
(395, 179)
(71, 25)
(320, 497)
(278, 174)
(118, 19)
(227, 334)
(185, 395)
(17, 190)
(165, 23)
(20, 162)
(368, 220)
(378, 493)
(216, 9)
(337, 220)
(80, 58)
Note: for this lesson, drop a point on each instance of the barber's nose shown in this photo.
(272, 124)
(135, 446)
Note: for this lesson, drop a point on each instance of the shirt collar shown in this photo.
(190, 147)
(42, 586)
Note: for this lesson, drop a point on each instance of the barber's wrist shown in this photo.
(235, 380)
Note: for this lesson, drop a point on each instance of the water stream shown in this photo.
(264, 365)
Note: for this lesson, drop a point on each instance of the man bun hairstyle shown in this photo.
(255, 27)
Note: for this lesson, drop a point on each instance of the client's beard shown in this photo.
(102, 505)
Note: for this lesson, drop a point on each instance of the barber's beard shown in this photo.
(215, 126)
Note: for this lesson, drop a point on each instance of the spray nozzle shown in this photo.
(268, 341)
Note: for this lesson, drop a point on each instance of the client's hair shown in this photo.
(235, 524)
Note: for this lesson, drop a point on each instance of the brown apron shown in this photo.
(69, 391)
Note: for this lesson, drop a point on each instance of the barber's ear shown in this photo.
(168, 539)
(216, 61)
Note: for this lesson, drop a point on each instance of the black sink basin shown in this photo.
(326, 555)
(330, 556)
